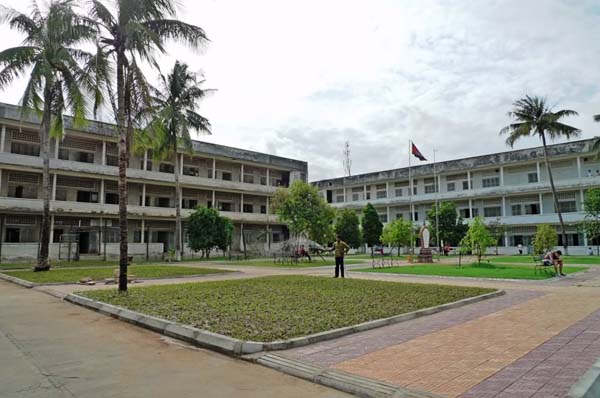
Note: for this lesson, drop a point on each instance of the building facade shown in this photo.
(84, 202)
(511, 187)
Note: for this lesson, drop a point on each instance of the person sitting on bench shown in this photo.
(554, 258)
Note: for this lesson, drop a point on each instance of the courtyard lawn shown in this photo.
(527, 259)
(140, 271)
(483, 270)
(266, 262)
(281, 307)
(61, 264)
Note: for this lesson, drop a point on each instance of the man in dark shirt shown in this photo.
(341, 248)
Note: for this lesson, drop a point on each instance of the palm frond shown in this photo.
(597, 118)
(181, 32)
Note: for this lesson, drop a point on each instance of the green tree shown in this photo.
(174, 114)
(305, 211)
(347, 225)
(58, 79)
(478, 238)
(131, 33)
(497, 230)
(545, 239)
(207, 229)
(371, 226)
(591, 223)
(397, 233)
(533, 117)
(452, 227)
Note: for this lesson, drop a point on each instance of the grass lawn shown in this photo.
(140, 271)
(281, 307)
(484, 270)
(61, 264)
(316, 262)
(527, 259)
(368, 256)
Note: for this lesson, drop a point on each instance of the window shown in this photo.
(398, 192)
(148, 166)
(85, 157)
(568, 206)
(248, 208)
(249, 178)
(166, 168)
(416, 216)
(13, 235)
(25, 149)
(162, 202)
(532, 177)
(111, 198)
(355, 197)
(112, 160)
(86, 196)
(263, 180)
(492, 211)
(189, 203)
(226, 176)
(465, 213)
(451, 187)
(430, 189)
(465, 185)
(515, 210)
(491, 182)
(339, 198)
(532, 208)
(381, 194)
(415, 190)
(475, 212)
(225, 206)
(399, 216)
(368, 195)
(191, 171)
(263, 209)
(383, 217)
(147, 201)
(63, 154)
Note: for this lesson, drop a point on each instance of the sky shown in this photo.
(299, 78)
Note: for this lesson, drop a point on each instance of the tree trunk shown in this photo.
(122, 178)
(560, 218)
(43, 262)
(178, 246)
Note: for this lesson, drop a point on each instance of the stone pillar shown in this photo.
(214, 169)
(501, 176)
(364, 192)
(538, 171)
(181, 165)
(505, 238)
(578, 167)
(387, 209)
(585, 239)
(241, 203)
(54, 180)
(241, 172)
(102, 191)
(145, 165)
(469, 180)
(345, 197)
(214, 204)
(143, 195)
(268, 177)
(56, 147)
(51, 228)
(142, 238)
(103, 153)
(2, 138)
(267, 203)
(541, 200)
(503, 206)
(387, 190)
(471, 208)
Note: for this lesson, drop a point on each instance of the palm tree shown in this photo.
(533, 117)
(59, 74)
(133, 33)
(174, 114)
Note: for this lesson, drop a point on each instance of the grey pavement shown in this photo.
(53, 349)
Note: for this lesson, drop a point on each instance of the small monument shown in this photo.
(425, 253)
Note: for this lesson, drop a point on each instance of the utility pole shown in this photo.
(347, 162)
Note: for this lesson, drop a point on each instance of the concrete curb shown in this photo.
(17, 281)
(28, 284)
(236, 347)
(342, 381)
(589, 384)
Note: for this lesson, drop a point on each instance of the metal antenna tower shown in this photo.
(347, 161)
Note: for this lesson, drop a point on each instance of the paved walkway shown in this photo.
(53, 349)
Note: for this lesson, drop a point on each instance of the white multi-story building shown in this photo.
(511, 187)
(84, 205)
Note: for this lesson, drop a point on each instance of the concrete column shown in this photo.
(56, 147)
(505, 238)
(540, 196)
(364, 192)
(51, 228)
(214, 169)
(387, 190)
(143, 195)
(1, 181)
(578, 167)
(54, 179)
(102, 191)
(142, 239)
(470, 208)
(103, 153)
(267, 203)
(504, 206)
(345, 197)
(214, 203)
(439, 185)
(388, 213)
(268, 177)
(582, 200)
(537, 169)
(241, 172)
(181, 165)
(242, 203)
(2, 138)
(501, 176)
(469, 180)
(144, 166)
(585, 239)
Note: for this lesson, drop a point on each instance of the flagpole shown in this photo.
(410, 193)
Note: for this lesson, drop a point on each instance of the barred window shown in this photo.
(532, 177)
(491, 182)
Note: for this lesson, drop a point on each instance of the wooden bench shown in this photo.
(539, 264)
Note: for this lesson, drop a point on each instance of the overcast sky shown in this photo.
(298, 78)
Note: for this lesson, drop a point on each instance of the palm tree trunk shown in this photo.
(560, 218)
(177, 207)
(122, 178)
(43, 262)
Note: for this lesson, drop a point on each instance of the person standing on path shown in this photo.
(341, 248)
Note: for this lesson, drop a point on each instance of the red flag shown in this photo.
(415, 151)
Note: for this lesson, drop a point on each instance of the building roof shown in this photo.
(13, 112)
(507, 158)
